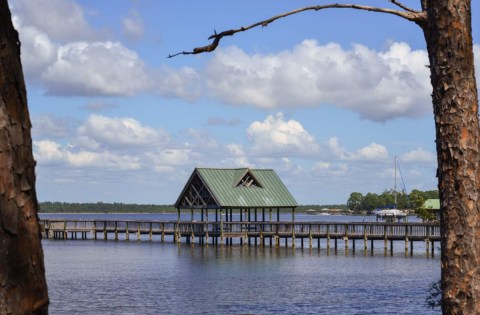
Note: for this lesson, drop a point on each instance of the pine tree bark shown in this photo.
(23, 288)
(448, 35)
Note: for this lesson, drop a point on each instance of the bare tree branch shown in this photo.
(419, 17)
(401, 5)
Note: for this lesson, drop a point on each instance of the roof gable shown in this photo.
(247, 179)
(196, 194)
(239, 188)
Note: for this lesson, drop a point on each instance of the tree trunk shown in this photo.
(23, 288)
(455, 102)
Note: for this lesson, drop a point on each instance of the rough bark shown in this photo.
(23, 288)
(455, 101)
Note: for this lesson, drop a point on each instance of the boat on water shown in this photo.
(392, 214)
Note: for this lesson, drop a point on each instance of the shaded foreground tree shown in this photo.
(446, 25)
(23, 288)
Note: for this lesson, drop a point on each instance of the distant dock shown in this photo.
(288, 234)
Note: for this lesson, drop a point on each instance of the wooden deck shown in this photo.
(251, 233)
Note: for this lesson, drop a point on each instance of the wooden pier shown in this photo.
(289, 234)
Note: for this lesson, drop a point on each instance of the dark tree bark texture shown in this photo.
(23, 288)
(448, 35)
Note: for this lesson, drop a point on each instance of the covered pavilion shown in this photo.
(247, 191)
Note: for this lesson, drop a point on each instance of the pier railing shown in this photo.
(247, 232)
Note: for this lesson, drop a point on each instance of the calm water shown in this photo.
(108, 277)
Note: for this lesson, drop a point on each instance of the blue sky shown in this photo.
(327, 99)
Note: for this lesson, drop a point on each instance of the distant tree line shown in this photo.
(358, 202)
(102, 207)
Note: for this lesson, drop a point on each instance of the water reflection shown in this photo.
(98, 277)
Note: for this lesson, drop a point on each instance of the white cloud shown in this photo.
(50, 126)
(98, 68)
(335, 149)
(103, 160)
(133, 26)
(377, 85)
(372, 152)
(326, 169)
(67, 57)
(181, 83)
(61, 20)
(279, 137)
(170, 158)
(120, 133)
(419, 155)
(47, 152)
(38, 51)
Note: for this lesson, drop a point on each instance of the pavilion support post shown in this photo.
(293, 214)
(328, 237)
(176, 233)
(105, 230)
(127, 236)
(263, 214)
(206, 227)
(248, 227)
(310, 238)
(346, 238)
(270, 214)
(192, 233)
(262, 239)
(385, 240)
(256, 219)
(116, 231)
(162, 239)
(406, 246)
(365, 239)
(278, 214)
(385, 246)
(94, 230)
(221, 227)
(138, 232)
(293, 236)
(244, 240)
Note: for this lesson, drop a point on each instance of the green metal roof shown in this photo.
(432, 204)
(223, 185)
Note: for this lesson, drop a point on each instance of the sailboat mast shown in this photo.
(395, 184)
